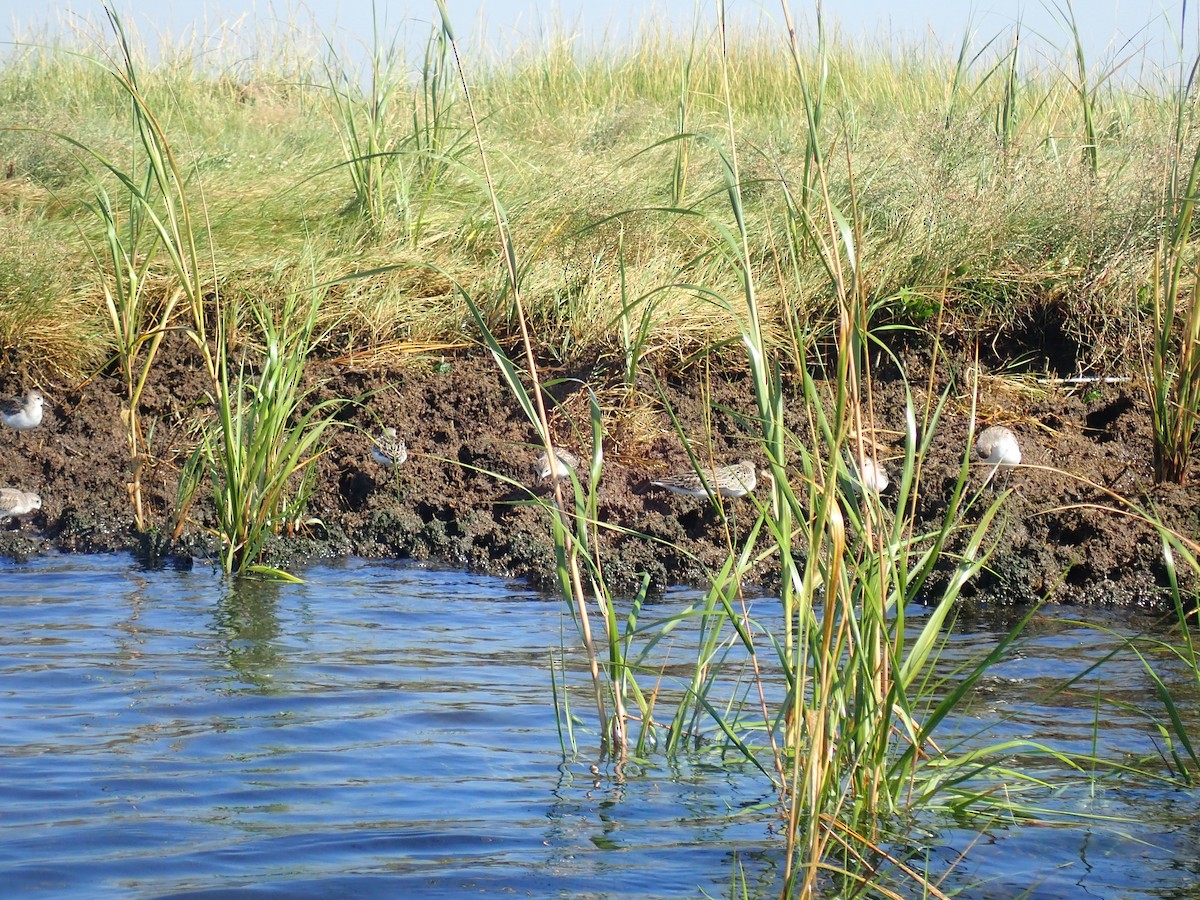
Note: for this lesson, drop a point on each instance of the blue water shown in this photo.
(389, 730)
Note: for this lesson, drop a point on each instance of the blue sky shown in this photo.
(1106, 25)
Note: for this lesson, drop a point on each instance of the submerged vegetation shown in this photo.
(801, 212)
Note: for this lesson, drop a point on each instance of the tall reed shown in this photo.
(366, 128)
(846, 745)
(147, 219)
(1007, 114)
(1089, 148)
(1182, 745)
(679, 171)
(433, 108)
(613, 728)
(634, 328)
(1173, 370)
(259, 452)
(395, 156)
(846, 645)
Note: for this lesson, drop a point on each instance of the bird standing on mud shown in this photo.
(872, 479)
(388, 450)
(15, 503)
(23, 413)
(567, 462)
(733, 481)
(997, 447)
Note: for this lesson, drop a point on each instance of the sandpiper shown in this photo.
(997, 447)
(23, 414)
(14, 503)
(874, 477)
(388, 450)
(734, 481)
(567, 463)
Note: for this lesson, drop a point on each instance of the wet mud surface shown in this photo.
(465, 495)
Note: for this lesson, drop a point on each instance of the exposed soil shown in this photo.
(1060, 536)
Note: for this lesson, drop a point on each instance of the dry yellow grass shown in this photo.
(998, 226)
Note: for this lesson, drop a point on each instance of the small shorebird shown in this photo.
(997, 447)
(14, 503)
(874, 477)
(567, 463)
(388, 450)
(23, 414)
(734, 481)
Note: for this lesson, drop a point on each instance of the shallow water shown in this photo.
(388, 730)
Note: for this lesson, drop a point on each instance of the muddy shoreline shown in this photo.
(1059, 539)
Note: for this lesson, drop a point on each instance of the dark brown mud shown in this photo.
(463, 497)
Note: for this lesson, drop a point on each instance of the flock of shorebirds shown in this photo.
(22, 413)
(996, 447)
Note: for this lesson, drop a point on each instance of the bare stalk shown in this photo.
(614, 729)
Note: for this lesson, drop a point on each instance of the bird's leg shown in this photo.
(990, 481)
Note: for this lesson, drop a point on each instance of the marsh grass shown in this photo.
(366, 127)
(395, 142)
(811, 193)
(47, 319)
(147, 217)
(851, 746)
(1173, 369)
(259, 452)
(849, 567)
(1004, 227)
